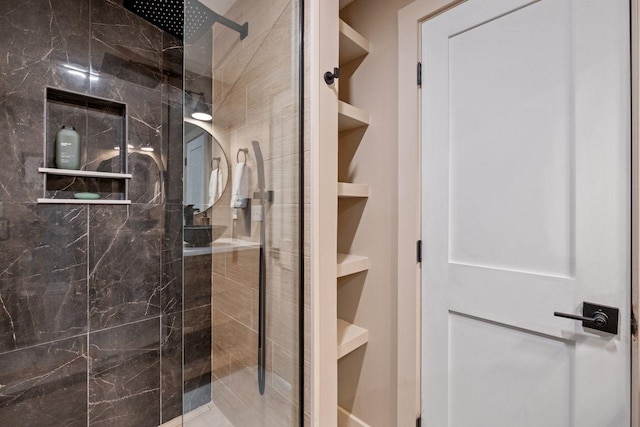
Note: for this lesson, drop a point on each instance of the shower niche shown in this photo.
(102, 127)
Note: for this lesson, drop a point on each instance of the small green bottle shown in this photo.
(68, 148)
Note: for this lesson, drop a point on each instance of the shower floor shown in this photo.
(213, 417)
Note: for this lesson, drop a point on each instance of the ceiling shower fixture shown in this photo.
(187, 20)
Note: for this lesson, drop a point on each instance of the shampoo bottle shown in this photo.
(68, 148)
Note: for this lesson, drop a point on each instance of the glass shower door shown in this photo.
(241, 254)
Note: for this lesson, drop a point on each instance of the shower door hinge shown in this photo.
(419, 422)
(419, 74)
(419, 251)
(634, 324)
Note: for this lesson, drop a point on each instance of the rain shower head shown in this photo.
(176, 16)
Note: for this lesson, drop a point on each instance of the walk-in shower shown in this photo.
(161, 283)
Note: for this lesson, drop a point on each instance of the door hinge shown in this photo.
(419, 74)
(419, 251)
(419, 422)
(634, 324)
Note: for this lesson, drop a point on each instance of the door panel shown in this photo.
(543, 364)
(526, 211)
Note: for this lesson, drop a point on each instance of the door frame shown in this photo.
(409, 357)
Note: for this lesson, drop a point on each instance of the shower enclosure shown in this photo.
(160, 284)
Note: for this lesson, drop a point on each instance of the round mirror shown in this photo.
(206, 171)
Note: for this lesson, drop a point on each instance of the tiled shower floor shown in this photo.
(211, 418)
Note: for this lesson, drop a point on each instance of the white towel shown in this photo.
(220, 184)
(214, 180)
(240, 192)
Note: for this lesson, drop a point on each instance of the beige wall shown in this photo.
(367, 377)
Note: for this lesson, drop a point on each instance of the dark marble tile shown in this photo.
(124, 45)
(45, 385)
(43, 274)
(172, 260)
(124, 264)
(46, 29)
(172, 156)
(106, 141)
(171, 354)
(197, 357)
(146, 184)
(172, 60)
(197, 281)
(22, 102)
(124, 375)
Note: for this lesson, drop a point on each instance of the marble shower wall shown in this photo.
(90, 295)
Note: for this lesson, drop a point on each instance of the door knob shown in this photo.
(595, 316)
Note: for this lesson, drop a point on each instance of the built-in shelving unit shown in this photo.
(350, 337)
(350, 117)
(351, 264)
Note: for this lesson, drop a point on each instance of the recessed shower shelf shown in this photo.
(85, 174)
(351, 264)
(352, 44)
(350, 117)
(346, 189)
(350, 338)
(84, 202)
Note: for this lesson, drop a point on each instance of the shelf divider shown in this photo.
(350, 117)
(352, 44)
(84, 202)
(351, 264)
(346, 419)
(346, 189)
(350, 337)
(85, 174)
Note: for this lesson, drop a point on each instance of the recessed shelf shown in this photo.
(346, 189)
(345, 3)
(350, 117)
(345, 419)
(352, 44)
(101, 125)
(84, 202)
(351, 264)
(350, 337)
(87, 174)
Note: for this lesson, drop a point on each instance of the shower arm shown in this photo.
(242, 29)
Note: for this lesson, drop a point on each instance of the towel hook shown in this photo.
(215, 159)
(244, 151)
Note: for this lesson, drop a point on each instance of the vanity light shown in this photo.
(146, 149)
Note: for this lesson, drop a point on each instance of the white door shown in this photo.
(526, 211)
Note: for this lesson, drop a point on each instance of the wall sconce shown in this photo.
(200, 109)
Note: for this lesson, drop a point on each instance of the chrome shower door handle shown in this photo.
(595, 316)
